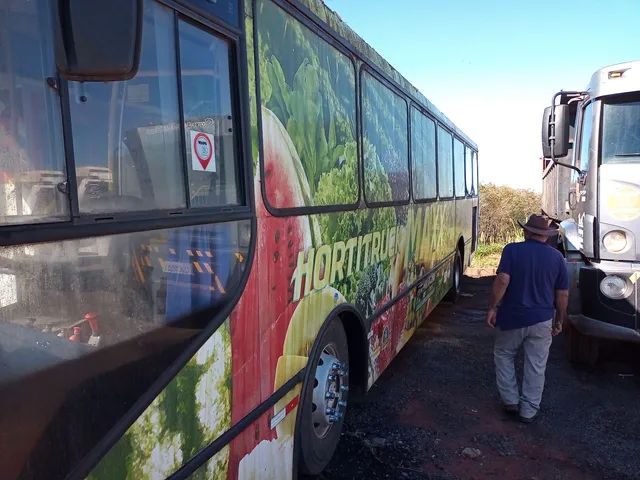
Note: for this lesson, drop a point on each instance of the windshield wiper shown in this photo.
(630, 154)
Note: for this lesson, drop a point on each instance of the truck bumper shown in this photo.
(602, 329)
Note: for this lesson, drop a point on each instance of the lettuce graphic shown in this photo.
(310, 87)
(194, 409)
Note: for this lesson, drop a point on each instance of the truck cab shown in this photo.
(591, 185)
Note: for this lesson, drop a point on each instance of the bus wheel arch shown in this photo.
(458, 269)
(460, 249)
(342, 340)
(354, 327)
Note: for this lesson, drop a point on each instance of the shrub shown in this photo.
(500, 209)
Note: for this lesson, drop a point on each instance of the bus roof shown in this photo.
(615, 79)
(355, 43)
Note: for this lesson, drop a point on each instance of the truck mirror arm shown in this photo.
(552, 130)
(582, 173)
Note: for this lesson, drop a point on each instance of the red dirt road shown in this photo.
(438, 397)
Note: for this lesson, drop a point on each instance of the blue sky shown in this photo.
(492, 66)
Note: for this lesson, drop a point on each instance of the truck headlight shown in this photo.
(615, 287)
(615, 241)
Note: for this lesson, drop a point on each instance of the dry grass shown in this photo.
(487, 255)
(500, 209)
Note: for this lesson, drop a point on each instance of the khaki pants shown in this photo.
(536, 341)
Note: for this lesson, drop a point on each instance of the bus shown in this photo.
(591, 147)
(219, 222)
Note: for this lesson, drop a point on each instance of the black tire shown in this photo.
(581, 349)
(454, 291)
(314, 450)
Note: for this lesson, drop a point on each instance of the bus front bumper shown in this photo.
(600, 329)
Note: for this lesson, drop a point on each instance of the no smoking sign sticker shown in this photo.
(203, 157)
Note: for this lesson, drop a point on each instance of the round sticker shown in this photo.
(203, 149)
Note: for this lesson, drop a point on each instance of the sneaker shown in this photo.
(528, 419)
(510, 408)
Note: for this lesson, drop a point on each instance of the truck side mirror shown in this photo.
(561, 130)
(98, 40)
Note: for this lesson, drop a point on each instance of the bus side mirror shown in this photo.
(98, 40)
(561, 146)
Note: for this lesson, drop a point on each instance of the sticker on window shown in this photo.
(203, 158)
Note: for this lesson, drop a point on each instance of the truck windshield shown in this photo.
(621, 132)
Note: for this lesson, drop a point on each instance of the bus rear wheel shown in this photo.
(454, 291)
(324, 402)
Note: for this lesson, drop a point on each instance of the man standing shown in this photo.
(531, 284)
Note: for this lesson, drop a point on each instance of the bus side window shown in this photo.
(423, 156)
(475, 172)
(385, 137)
(126, 141)
(323, 137)
(468, 171)
(445, 163)
(458, 158)
(32, 164)
(209, 118)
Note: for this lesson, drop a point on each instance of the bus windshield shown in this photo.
(621, 132)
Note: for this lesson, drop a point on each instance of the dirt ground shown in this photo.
(438, 398)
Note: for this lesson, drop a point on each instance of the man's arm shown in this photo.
(561, 303)
(498, 289)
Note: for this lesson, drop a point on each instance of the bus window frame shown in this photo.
(364, 68)
(466, 190)
(333, 42)
(475, 174)
(466, 185)
(241, 184)
(452, 135)
(429, 116)
(472, 189)
(302, 13)
(81, 225)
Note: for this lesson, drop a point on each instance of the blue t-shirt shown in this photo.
(536, 270)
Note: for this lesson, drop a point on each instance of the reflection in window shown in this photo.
(208, 116)
(386, 144)
(620, 132)
(32, 168)
(423, 155)
(458, 158)
(89, 324)
(126, 134)
(445, 163)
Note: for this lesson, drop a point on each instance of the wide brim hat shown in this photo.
(540, 225)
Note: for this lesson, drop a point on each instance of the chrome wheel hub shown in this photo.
(330, 392)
